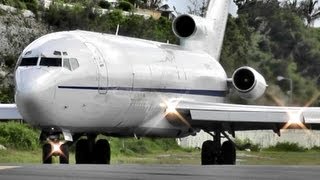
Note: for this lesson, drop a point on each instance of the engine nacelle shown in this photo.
(249, 83)
(186, 26)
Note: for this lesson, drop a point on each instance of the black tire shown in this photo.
(46, 154)
(64, 157)
(102, 152)
(209, 153)
(83, 155)
(228, 153)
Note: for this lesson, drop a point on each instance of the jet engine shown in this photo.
(186, 25)
(249, 83)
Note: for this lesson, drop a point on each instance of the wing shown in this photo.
(9, 111)
(232, 117)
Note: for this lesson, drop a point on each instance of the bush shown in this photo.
(125, 6)
(18, 136)
(104, 4)
(287, 147)
(315, 148)
(247, 144)
(131, 146)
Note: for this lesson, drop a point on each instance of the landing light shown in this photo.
(170, 106)
(55, 146)
(172, 114)
(295, 119)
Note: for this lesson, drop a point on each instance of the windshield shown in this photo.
(31, 61)
(45, 61)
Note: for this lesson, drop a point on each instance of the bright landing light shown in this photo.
(171, 111)
(170, 106)
(55, 148)
(295, 119)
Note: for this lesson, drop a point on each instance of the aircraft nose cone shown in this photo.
(35, 90)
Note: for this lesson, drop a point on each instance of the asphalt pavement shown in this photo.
(155, 172)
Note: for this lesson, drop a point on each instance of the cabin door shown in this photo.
(101, 67)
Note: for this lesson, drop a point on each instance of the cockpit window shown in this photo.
(45, 61)
(70, 64)
(30, 61)
(66, 64)
(74, 63)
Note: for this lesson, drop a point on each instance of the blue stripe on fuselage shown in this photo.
(178, 91)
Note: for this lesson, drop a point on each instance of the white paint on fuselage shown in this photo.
(118, 87)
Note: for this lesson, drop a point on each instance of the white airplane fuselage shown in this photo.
(120, 87)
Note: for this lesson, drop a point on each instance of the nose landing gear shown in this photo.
(88, 150)
(55, 148)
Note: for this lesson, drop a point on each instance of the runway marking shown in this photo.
(8, 167)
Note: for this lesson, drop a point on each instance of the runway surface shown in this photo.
(155, 172)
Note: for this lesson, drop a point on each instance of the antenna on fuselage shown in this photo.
(117, 31)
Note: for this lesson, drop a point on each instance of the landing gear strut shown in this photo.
(213, 152)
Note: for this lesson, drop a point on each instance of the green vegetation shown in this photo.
(126, 6)
(179, 157)
(273, 38)
(247, 144)
(78, 17)
(18, 136)
(104, 4)
(286, 147)
(32, 5)
(278, 158)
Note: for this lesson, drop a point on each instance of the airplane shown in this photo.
(76, 85)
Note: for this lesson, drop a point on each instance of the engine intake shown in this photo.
(187, 26)
(249, 83)
(184, 26)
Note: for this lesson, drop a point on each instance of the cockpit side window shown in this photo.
(30, 61)
(66, 64)
(74, 63)
(45, 61)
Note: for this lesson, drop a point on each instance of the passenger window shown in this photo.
(50, 62)
(74, 63)
(66, 64)
(32, 61)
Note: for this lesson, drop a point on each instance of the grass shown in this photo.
(279, 158)
(178, 157)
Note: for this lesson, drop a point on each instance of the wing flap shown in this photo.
(239, 116)
(249, 117)
(9, 111)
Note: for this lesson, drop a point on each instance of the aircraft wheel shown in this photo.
(209, 154)
(64, 157)
(83, 155)
(46, 154)
(102, 152)
(228, 153)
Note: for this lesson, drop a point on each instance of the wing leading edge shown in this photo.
(248, 117)
(9, 111)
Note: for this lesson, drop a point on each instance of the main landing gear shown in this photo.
(88, 150)
(213, 152)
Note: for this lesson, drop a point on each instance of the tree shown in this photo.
(125, 5)
(310, 11)
(198, 7)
